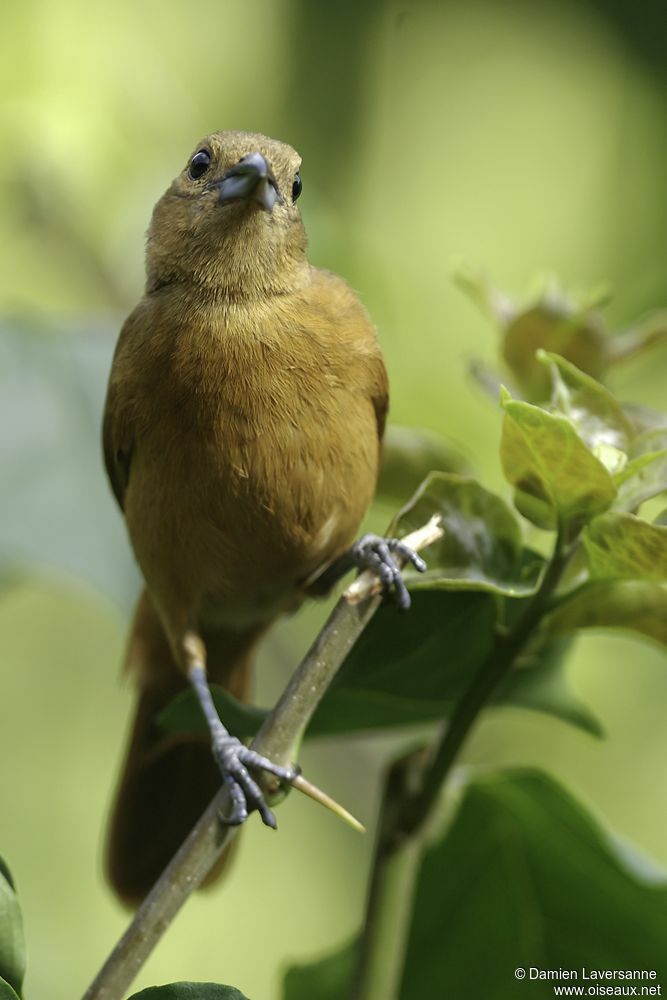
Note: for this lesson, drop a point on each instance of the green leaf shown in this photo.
(325, 979)
(6, 992)
(408, 668)
(12, 943)
(630, 605)
(408, 455)
(190, 991)
(595, 413)
(184, 715)
(510, 872)
(623, 546)
(482, 546)
(555, 476)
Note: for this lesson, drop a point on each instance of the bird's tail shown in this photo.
(166, 781)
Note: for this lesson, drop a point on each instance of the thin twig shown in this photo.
(281, 731)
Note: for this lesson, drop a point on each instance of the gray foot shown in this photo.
(377, 554)
(234, 760)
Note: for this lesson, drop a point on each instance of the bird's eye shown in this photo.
(296, 187)
(199, 164)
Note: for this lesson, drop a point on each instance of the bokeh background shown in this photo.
(525, 138)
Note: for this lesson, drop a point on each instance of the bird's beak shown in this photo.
(251, 179)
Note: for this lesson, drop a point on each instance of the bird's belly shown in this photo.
(228, 526)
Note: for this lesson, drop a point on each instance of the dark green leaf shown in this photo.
(408, 455)
(12, 943)
(525, 870)
(184, 715)
(630, 605)
(4, 871)
(481, 548)
(190, 991)
(623, 546)
(326, 979)
(408, 668)
(540, 683)
(6, 992)
(558, 326)
(509, 872)
(555, 476)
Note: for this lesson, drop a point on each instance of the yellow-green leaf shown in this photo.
(631, 605)
(596, 414)
(622, 546)
(557, 479)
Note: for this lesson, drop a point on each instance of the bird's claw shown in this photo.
(377, 554)
(235, 761)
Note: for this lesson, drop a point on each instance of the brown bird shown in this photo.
(242, 432)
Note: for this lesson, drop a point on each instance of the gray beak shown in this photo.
(250, 180)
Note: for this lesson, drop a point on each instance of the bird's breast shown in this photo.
(260, 472)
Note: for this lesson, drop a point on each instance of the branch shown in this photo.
(280, 732)
(379, 967)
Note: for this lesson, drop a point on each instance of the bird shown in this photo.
(242, 437)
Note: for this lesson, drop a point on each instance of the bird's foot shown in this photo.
(236, 761)
(378, 555)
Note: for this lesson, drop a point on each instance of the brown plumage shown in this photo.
(244, 415)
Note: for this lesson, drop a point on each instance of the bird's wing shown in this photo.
(379, 394)
(117, 450)
(118, 425)
(352, 327)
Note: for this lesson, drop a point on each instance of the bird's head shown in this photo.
(230, 219)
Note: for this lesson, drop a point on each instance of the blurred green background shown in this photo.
(524, 138)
